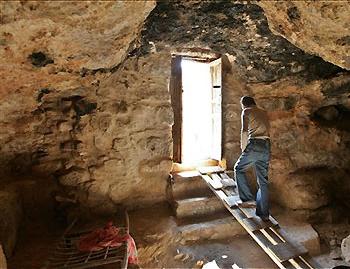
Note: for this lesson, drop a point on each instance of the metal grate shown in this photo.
(66, 255)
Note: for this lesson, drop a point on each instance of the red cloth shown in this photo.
(108, 237)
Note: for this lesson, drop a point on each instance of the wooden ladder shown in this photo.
(268, 234)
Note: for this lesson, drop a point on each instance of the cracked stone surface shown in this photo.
(320, 28)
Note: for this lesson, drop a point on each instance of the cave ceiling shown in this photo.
(240, 30)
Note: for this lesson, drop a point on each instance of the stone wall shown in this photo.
(59, 116)
(125, 147)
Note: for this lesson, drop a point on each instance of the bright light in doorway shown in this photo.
(196, 111)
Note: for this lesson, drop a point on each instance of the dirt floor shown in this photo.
(161, 246)
(159, 243)
(34, 244)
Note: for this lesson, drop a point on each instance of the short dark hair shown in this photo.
(248, 101)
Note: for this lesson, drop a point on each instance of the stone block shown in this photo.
(304, 191)
(302, 233)
(189, 187)
(75, 177)
(110, 170)
(212, 230)
(345, 248)
(200, 206)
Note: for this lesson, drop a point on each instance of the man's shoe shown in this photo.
(247, 204)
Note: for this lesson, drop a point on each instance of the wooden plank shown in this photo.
(175, 88)
(216, 109)
(207, 179)
(215, 185)
(239, 217)
(221, 195)
(255, 223)
(286, 251)
(210, 169)
(306, 261)
(185, 175)
(232, 200)
(217, 179)
(276, 239)
(224, 175)
(230, 191)
(228, 179)
(249, 212)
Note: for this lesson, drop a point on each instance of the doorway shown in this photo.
(196, 98)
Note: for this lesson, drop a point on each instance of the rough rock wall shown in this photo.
(318, 27)
(126, 146)
(310, 159)
(54, 58)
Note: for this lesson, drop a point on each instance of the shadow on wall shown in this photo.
(320, 191)
(333, 116)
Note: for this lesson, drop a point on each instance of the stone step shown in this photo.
(302, 233)
(204, 218)
(223, 228)
(199, 206)
(188, 185)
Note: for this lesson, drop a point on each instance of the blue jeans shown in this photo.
(256, 155)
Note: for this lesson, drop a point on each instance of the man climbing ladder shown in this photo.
(255, 145)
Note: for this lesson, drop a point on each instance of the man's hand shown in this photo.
(244, 140)
(244, 129)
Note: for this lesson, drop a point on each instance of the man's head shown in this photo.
(247, 101)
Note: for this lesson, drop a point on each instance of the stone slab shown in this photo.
(300, 232)
(198, 207)
(212, 230)
(210, 169)
(183, 187)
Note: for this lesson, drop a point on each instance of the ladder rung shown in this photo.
(255, 223)
(232, 200)
(286, 250)
(217, 181)
(212, 183)
(249, 212)
(210, 169)
(221, 194)
(230, 181)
